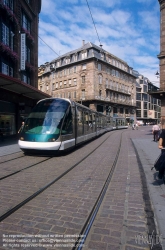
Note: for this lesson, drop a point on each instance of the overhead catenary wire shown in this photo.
(43, 41)
(93, 21)
(48, 45)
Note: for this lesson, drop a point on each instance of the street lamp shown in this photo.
(157, 74)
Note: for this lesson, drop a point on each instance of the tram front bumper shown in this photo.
(28, 145)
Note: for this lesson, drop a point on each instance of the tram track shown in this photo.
(22, 169)
(42, 189)
(7, 160)
(79, 243)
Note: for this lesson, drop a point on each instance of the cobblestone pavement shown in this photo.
(9, 146)
(121, 222)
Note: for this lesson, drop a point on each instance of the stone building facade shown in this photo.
(18, 62)
(148, 108)
(93, 77)
(160, 94)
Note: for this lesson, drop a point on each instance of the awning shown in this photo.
(14, 85)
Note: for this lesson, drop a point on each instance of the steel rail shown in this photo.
(20, 170)
(21, 204)
(88, 224)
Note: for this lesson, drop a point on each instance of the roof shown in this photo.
(86, 46)
(19, 87)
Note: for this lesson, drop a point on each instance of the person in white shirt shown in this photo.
(155, 132)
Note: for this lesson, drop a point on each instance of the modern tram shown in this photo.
(57, 124)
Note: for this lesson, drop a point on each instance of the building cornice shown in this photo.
(162, 4)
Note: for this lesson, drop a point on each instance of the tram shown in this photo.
(57, 124)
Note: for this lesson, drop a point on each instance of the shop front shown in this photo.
(7, 118)
(16, 102)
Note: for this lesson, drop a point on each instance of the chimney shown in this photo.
(83, 42)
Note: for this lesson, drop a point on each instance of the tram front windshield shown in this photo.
(46, 117)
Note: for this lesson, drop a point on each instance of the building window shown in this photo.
(138, 104)
(28, 53)
(145, 88)
(5, 34)
(41, 87)
(75, 81)
(70, 82)
(145, 105)
(99, 66)
(64, 82)
(26, 24)
(138, 113)
(121, 110)
(145, 97)
(100, 92)
(25, 78)
(75, 69)
(83, 93)
(53, 86)
(60, 84)
(84, 55)
(56, 85)
(145, 113)
(6, 70)
(74, 94)
(84, 66)
(138, 96)
(65, 72)
(70, 70)
(67, 60)
(8, 3)
(83, 79)
(100, 79)
(75, 57)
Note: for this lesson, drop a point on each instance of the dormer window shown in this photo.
(75, 57)
(84, 54)
(102, 55)
(67, 60)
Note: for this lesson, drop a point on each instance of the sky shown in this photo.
(128, 29)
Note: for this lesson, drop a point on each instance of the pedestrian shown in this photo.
(137, 126)
(19, 131)
(161, 145)
(133, 126)
(155, 132)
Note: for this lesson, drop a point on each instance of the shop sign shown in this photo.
(23, 51)
(151, 114)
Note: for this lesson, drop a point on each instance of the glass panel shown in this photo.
(80, 127)
(46, 117)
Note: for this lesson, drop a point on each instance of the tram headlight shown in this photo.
(51, 140)
(21, 138)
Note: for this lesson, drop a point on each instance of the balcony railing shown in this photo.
(105, 99)
(107, 86)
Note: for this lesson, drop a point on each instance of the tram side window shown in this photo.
(86, 121)
(68, 123)
(80, 129)
(94, 121)
(90, 121)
